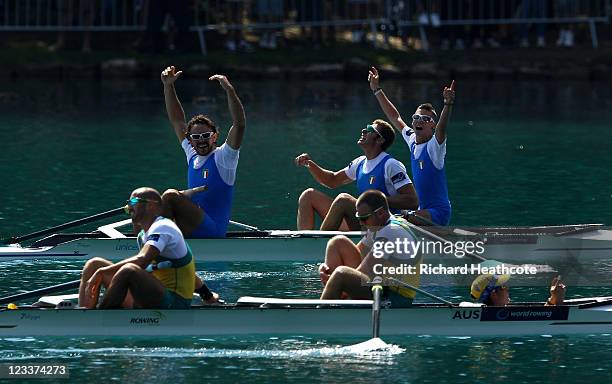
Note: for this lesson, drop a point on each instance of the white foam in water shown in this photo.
(372, 348)
(374, 345)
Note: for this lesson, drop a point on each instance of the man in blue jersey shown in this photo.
(376, 169)
(205, 210)
(427, 142)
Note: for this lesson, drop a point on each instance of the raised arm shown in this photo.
(449, 100)
(388, 108)
(325, 177)
(236, 132)
(175, 111)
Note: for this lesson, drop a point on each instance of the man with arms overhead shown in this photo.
(375, 169)
(160, 276)
(211, 169)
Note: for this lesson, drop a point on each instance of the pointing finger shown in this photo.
(452, 86)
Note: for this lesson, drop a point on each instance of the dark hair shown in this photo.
(200, 120)
(386, 131)
(428, 107)
(374, 199)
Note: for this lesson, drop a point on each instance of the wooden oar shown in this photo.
(40, 292)
(85, 220)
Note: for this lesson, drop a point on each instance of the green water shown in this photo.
(518, 154)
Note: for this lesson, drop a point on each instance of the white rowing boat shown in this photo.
(542, 245)
(272, 316)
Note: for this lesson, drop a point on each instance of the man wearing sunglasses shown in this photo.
(211, 169)
(376, 169)
(348, 267)
(427, 142)
(160, 276)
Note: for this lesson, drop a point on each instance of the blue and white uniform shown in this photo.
(428, 172)
(217, 171)
(383, 173)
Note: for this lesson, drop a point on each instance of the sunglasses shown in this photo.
(132, 202)
(371, 128)
(362, 218)
(423, 118)
(201, 136)
(135, 200)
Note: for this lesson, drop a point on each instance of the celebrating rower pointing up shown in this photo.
(427, 154)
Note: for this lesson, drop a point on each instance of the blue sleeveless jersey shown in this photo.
(216, 201)
(375, 179)
(429, 181)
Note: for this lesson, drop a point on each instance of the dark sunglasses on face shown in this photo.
(362, 218)
(423, 118)
(371, 128)
(201, 136)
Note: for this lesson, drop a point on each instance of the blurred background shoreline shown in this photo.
(287, 39)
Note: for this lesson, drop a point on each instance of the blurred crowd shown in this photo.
(246, 25)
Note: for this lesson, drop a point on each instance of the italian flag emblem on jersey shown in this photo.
(372, 178)
(205, 173)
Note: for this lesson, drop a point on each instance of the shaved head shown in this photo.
(148, 193)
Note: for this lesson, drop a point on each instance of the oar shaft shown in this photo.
(40, 292)
(376, 293)
(244, 226)
(440, 238)
(85, 220)
(409, 286)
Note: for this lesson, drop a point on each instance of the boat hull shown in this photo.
(536, 245)
(430, 319)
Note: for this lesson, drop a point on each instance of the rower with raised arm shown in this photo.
(160, 276)
(493, 290)
(211, 174)
(348, 268)
(204, 214)
(375, 169)
(427, 143)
